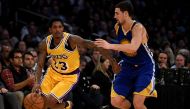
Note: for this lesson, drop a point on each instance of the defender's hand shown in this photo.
(102, 43)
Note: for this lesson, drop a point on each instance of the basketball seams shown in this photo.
(37, 99)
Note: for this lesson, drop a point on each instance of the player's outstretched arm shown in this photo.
(77, 40)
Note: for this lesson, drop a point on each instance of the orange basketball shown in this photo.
(33, 101)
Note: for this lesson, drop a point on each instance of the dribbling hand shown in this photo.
(36, 88)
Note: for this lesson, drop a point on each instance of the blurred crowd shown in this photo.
(23, 25)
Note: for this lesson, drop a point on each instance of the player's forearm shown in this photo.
(89, 44)
(38, 74)
(41, 60)
(105, 52)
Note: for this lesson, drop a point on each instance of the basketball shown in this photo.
(33, 101)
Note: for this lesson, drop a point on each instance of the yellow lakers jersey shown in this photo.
(63, 60)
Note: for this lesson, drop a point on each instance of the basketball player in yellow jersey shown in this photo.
(63, 73)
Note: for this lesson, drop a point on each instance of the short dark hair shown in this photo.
(27, 53)
(55, 19)
(13, 52)
(126, 5)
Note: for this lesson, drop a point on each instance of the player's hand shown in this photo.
(36, 88)
(102, 43)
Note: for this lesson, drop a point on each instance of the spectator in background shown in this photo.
(102, 80)
(15, 76)
(21, 45)
(162, 64)
(35, 56)
(30, 35)
(163, 60)
(167, 48)
(83, 52)
(95, 54)
(56, 12)
(8, 99)
(180, 61)
(4, 54)
(81, 93)
(5, 35)
(103, 29)
(28, 64)
(34, 52)
(186, 53)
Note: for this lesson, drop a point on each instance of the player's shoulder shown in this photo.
(137, 26)
(43, 43)
(116, 27)
(47, 38)
(74, 37)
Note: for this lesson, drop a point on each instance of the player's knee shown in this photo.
(138, 104)
(116, 101)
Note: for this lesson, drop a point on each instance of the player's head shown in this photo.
(56, 27)
(123, 10)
